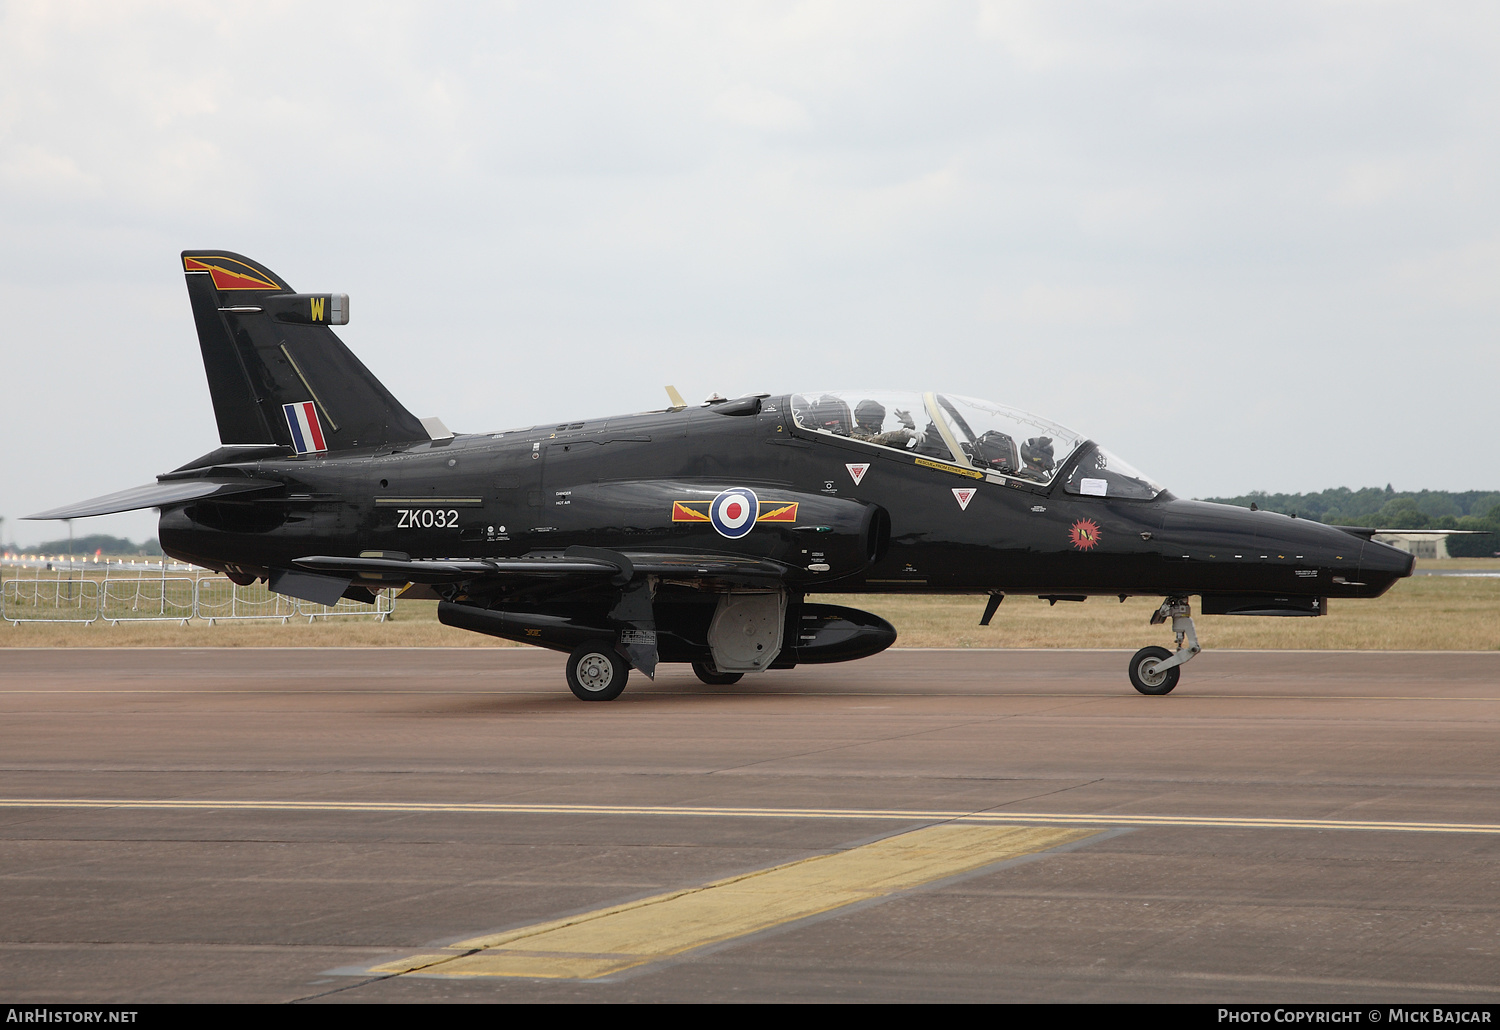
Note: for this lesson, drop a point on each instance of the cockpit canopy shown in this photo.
(1002, 442)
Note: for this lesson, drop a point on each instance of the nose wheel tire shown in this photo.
(596, 672)
(708, 674)
(1143, 674)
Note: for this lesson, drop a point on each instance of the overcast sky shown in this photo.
(1245, 246)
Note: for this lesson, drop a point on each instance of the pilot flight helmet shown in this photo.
(869, 416)
(1037, 452)
(831, 415)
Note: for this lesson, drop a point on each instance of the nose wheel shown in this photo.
(1155, 670)
(1146, 674)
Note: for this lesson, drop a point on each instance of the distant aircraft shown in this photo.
(690, 534)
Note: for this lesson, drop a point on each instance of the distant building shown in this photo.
(1418, 545)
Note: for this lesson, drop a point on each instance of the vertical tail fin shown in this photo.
(276, 372)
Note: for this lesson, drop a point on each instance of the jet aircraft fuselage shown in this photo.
(692, 534)
(900, 524)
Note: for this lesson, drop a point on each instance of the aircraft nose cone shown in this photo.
(1343, 564)
(1381, 561)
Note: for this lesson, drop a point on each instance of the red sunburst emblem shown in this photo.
(1085, 534)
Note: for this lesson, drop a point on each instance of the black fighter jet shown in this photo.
(690, 534)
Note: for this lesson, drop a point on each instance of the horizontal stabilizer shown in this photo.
(1433, 532)
(236, 453)
(157, 495)
(1370, 533)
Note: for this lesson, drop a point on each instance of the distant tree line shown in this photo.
(1392, 509)
(111, 545)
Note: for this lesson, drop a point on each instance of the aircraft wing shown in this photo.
(721, 566)
(157, 495)
(617, 566)
(422, 570)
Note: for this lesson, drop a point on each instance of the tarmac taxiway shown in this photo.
(450, 824)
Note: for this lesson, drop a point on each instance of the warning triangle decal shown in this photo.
(857, 472)
(963, 494)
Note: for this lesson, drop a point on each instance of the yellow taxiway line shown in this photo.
(1094, 819)
(611, 940)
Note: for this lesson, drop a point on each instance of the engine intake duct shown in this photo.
(830, 633)
(558, 632)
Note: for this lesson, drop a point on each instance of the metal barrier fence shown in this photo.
(385, 604)
(218, 598)
(146, 598)
(74, 593)
(59, 596)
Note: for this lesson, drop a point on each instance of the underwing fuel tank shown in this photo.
(830, 633)
(823, 632)
(557, 632)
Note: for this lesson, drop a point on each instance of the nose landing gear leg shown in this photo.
(1155, 670)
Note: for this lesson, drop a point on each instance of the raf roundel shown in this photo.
(734, 511)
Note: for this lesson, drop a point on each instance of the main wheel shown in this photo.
(1143, 674)
(714, 678)
(596, 672)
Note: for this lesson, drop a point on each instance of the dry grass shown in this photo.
(1422, 613)
(413, 625)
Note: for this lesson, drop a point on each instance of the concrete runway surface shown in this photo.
(347, 825)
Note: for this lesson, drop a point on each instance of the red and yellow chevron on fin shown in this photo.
(781, 513)
(225, 278)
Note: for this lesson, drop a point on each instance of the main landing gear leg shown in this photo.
(1155, 670)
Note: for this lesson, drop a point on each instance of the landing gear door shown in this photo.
(746, 632)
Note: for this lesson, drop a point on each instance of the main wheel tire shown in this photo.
(596, 672)
(708, 674)
(1143, 674)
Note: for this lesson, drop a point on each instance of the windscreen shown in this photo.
(1102, 474)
